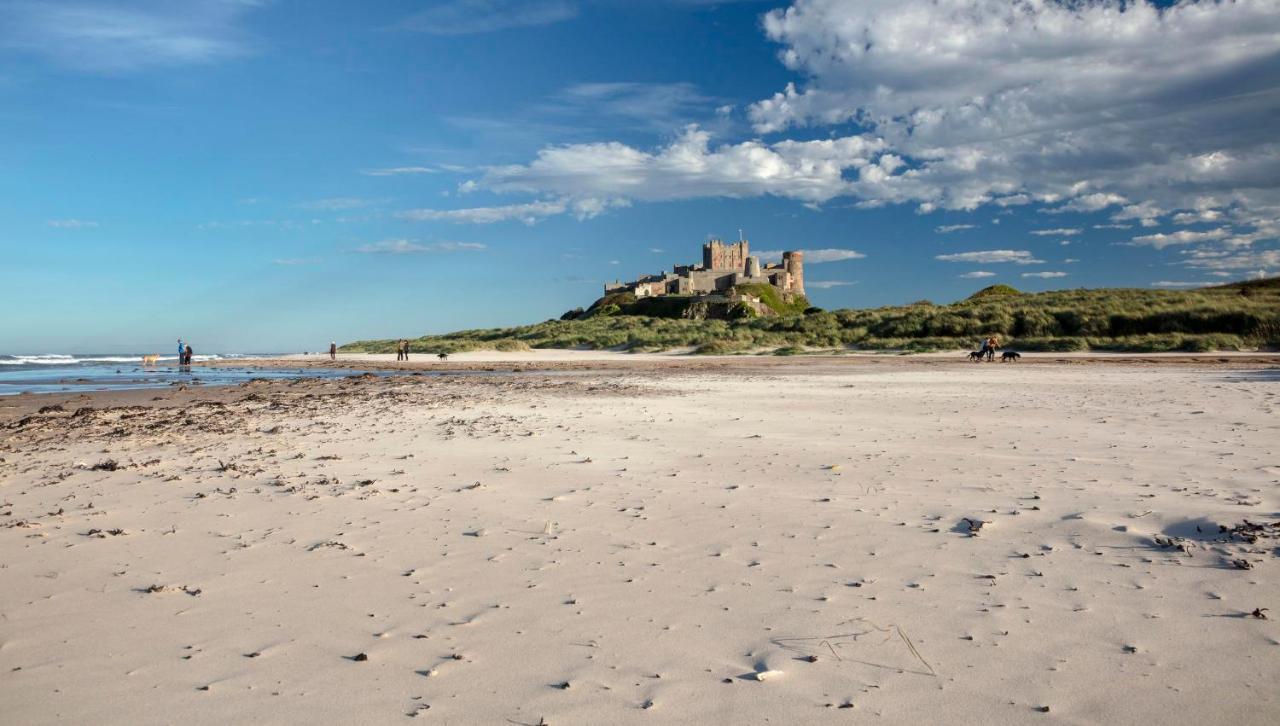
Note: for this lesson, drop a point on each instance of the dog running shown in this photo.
(442, 356)
(1010, 355)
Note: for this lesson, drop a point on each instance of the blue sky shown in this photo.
(271, 175)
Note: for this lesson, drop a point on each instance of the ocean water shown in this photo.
(53, 372)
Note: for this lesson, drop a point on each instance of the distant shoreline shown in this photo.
(560, 360)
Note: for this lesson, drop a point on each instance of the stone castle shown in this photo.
(724, 267)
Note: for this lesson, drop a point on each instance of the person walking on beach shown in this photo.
(181, 351)
(399, 350)
(990, 346)
(186, 358)
(404, 348)
(333, 350)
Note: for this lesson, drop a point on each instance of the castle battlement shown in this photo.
(724, 266)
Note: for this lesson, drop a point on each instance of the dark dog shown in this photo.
(976, 356)
(1010, 355)
(442, 356)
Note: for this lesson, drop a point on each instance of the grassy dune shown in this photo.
(1230, 317)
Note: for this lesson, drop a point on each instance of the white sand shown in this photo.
(657, 552)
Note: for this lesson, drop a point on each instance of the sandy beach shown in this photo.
(651, 539)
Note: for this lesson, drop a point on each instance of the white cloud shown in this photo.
(116, 38)
(71, 223)
(1175, 284)
(1181, 237)
(690, 167)
(1113, 226)
(827, 284)
(1059, 232)
(399, 171)
(1231, 260)
(1204, 215)
(1018, 257)
(993, 98)
(1044, 275)
(977, 275)
(404, 247)
(1089, 203)
(466, 17)
(815, 257)
(949, 228)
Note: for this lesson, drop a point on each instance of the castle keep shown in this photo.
(724, 267)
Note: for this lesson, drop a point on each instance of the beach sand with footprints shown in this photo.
(738, 543)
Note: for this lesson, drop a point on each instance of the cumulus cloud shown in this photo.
(1205, 215)
(989, 98)
(815, 257)
(1017, 257)
(977, 275)
(1059, 232)
(467, 17)
(407, 247)
(691, 167)
(1181, 237)
(1260, 262)
(827, 284)
(1089, 203)
(1044, 275)
(949, 228)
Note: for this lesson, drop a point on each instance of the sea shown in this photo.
(60, 373)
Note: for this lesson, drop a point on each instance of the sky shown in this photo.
(270, 175)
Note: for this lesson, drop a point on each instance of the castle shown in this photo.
(724, 267)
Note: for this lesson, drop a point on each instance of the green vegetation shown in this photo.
(772, 299)
(1240, 315)
(995, 291)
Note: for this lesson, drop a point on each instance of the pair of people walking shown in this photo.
(402, 349)
(184, 353)
(989, 347)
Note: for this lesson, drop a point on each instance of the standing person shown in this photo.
(982, 353)
(187, 355)
(399, 350)
(406, 349)
(181, 351)
(333, 350)
(991, 345)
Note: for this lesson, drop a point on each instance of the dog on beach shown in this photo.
(150, 360)
(1010, 355)
(442, 356)
(976, 356)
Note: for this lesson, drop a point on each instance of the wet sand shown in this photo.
(726, 540)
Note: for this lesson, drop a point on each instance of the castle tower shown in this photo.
(753, 266)
(717, 255)
(793, 261)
